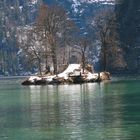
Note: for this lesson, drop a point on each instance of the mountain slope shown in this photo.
(82, 10)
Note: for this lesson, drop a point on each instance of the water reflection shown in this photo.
(87, 111)
(106, 111)
(77, 109)
(35, 105)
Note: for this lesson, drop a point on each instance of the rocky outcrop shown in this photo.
(78, 79)
(34, 82)
(104, 76)
(72, 75)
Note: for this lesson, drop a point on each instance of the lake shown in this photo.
(93, 111)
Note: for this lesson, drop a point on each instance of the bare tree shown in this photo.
(83, 49)
(55, 25)
(105, 26)
(29, 43)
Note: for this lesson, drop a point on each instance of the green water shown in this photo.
(106, 111)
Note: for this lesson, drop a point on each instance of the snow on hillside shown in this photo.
(34, 1)
(100, 1)
(79, 2)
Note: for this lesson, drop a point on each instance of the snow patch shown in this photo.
(33, 1)
(79, 2)
(69, 69)
(92, 76)
(33, 78)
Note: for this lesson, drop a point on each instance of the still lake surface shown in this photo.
(106, 111)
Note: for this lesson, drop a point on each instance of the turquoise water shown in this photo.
(106, 111)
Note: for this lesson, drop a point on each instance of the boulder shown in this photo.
(58, 80)
(104, 76)
(77, 79)
(89, 68)
(40, 82)
(27, 82)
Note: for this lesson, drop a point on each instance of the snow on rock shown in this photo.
(69, 69)
(34, 1)
(49, 78)
(65, 74)
(92, 76)
(73, 71)
(33, 78)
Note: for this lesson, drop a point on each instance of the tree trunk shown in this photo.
(54, 60)
(39, 66)
(83, 63)
(46, 64)
(54, 64)
(104, 59)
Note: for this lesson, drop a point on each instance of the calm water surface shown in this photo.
(106, 111)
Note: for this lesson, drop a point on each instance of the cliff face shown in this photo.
(129, 20)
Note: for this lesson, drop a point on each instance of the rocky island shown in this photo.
(73, 74)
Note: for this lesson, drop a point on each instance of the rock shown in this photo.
(27, 82)
(58, 80)
(76, 72)
(69, 80)
(72, 75)
(77, 79)
(40, 82)
(89, 68)
(104, 76)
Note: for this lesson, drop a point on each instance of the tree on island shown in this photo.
(56, 28)
(31, 47)
(43, 41)
(54, 31)
(83, 49)
(105, 26)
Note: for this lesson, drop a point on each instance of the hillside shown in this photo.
(19, 14)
